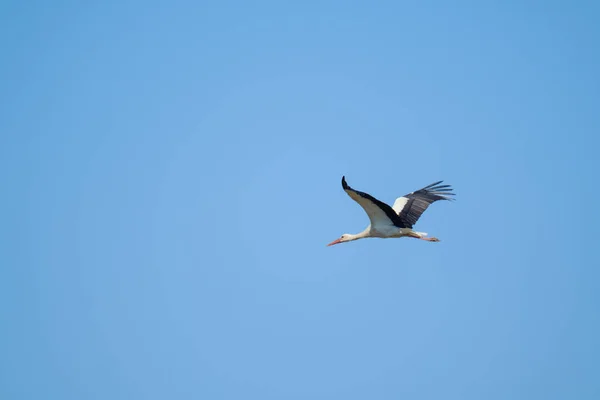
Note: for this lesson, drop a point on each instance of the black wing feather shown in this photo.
(419, 200)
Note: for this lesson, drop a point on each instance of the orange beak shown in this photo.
(336, 241)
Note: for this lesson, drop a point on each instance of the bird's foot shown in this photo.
(431, 239)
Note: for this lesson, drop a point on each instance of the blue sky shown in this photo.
(171, 175)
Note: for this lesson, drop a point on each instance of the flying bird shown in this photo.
(396, 221)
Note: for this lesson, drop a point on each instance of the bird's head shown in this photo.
(346, 237)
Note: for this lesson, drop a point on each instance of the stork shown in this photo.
(396, 221)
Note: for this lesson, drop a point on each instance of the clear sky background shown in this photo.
(171, 175)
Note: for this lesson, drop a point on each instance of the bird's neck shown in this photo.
(361, 235)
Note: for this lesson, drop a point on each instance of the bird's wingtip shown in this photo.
(344, 184)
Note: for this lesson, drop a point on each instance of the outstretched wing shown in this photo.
(410, 207)
(379, 213)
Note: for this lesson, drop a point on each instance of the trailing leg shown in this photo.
(422, 236)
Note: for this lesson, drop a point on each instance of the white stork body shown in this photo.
(396, 221)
